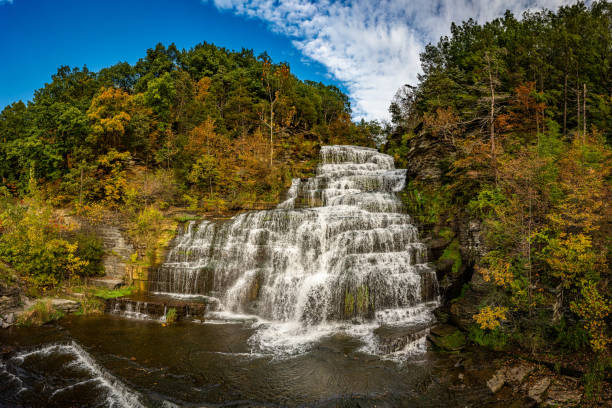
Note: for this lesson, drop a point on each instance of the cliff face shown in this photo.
(454, 238)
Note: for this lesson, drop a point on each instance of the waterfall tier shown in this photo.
(340, 248)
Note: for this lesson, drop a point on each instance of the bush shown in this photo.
(91, 249)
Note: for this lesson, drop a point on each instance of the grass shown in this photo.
(114, 293)
(171, 316)
(90, 306)
(185, 218)
(40, 313)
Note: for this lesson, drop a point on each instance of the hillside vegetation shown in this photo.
(206, 129)
(519, 115)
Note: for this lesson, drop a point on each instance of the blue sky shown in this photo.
(40, 35)
(367, 47)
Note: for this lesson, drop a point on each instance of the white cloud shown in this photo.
(6, 2)
(371, 46)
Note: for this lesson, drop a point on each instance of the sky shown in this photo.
(368, 48)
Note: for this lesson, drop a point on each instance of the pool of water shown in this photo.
(109, 361)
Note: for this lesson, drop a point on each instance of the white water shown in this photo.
(339, 255)
(114, 392)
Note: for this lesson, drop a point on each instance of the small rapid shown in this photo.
(62, 374)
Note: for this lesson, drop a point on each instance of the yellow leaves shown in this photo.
(497, 270)
(489, 318)
(593, 308)
(109, 114)
(571, 257)
(202, 87)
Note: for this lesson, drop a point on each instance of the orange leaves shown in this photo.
(525, 111)
(202, 87)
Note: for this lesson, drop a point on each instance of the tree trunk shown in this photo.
(565, 107)
(584, 113)
(578, 110)
(492, 116)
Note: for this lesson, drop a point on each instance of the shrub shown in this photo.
(40, 313)
(91, 249)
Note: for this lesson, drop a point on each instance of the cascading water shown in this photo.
(338, 254)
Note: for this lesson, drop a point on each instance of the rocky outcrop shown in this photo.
(446, 337)
(117, 251)
(10, 301)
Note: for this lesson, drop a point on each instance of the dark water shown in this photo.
(110, 361)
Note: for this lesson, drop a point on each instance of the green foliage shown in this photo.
(40, 313)
(32, 243)
(594, 378)
(569, 337)
(114, 293)
(83, 128)
(494, 339)
(426, 204)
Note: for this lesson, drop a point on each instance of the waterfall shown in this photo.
(340, 248)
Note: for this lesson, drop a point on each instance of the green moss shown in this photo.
(446, 233)
(452, 342)
(349, 304)
(453, 253)
(114, 293)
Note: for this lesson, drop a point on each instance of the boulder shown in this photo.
(518, 373)
(66, 305)
(511, 375)
(106, 283)
(559, 395)
(536, 391)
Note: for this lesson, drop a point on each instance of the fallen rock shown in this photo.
(536, 391)
(498, 380)
(561, 396)
(518, 373)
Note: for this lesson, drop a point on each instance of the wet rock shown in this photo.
(447, 337)
(392, 339)
(536, 391)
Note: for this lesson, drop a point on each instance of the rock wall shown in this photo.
(117, 251)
